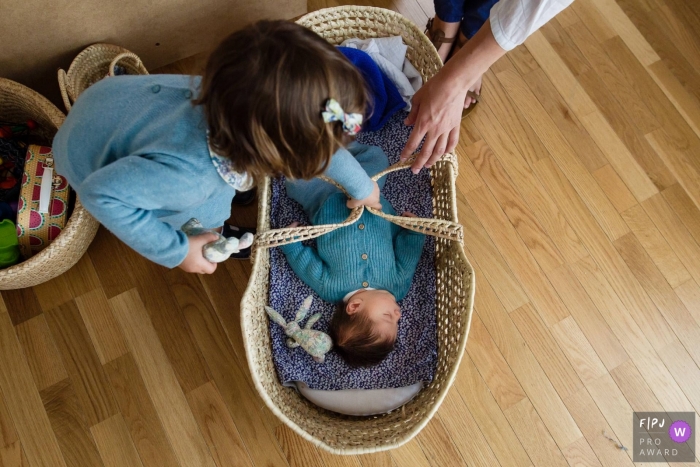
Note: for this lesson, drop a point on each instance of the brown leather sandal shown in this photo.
(437, 37)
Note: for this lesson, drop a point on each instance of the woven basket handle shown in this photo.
(62, 83)
(435, 227)
(129, 55)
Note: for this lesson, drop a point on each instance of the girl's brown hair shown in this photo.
(263, 91)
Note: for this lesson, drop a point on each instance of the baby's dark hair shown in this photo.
(354, 339)
(263, 91)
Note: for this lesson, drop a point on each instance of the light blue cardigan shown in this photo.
(134, 149)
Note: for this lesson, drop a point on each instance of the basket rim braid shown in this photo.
(342, 434)
(18, 103)
(91, 65)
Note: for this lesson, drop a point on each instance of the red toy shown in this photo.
(8, 130)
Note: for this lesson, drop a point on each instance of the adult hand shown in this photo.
(436, 114)
(408, 214)
(437, 106)
(371, 201)
(293, 224)
(195, 261)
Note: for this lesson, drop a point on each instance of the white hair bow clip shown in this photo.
(352, 123)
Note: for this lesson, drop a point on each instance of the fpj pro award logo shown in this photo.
(664, 436)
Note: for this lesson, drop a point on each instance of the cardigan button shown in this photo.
(188, 94)
(364, 256)
(365, 284)
(155, 88)
(361, 226)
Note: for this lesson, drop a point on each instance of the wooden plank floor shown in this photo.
(579, 190)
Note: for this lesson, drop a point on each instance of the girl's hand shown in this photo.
(195, 261)
(293, 224)
(371, 201)
(408, 214)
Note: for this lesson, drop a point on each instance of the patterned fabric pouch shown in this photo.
(43, 203)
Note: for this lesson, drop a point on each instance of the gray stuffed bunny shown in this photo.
(220, 249)
(316, 343)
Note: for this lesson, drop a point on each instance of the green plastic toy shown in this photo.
(9, 244)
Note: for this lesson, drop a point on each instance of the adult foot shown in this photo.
(473, 95)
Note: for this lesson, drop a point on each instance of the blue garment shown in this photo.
(472, 13)
(311, 194)
(135, 150)
(385, 99)
(372, 252)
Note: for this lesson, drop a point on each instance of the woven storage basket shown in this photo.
(454, 299)
(93, 64)
(17, 104)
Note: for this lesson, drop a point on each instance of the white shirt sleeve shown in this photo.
(512, 21)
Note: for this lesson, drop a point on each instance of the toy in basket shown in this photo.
(342, 434)
(21, 104)
(315, 343)
(43, 203)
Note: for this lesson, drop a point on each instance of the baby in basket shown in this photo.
(365, 267)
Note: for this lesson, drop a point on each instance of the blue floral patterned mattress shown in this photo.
(415, 355)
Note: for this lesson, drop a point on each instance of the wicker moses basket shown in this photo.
(93, 64)
(17, 104)
(454, 299)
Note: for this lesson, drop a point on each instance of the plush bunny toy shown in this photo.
(218, 250)
(316, 343)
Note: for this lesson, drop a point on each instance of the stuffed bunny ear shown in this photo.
(304, 308)
(276, 317)
(309, 324)
(190, 225)
(245, 241)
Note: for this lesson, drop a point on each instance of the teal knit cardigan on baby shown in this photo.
(372, 252)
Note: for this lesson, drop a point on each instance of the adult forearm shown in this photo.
(438, 105)
(474, 59)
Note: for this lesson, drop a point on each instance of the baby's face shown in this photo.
(381, 308)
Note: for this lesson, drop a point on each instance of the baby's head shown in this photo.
(364, 329)
(263, 91)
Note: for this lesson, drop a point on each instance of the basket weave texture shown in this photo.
(454, 299)
(17, 104)
(93, 64)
